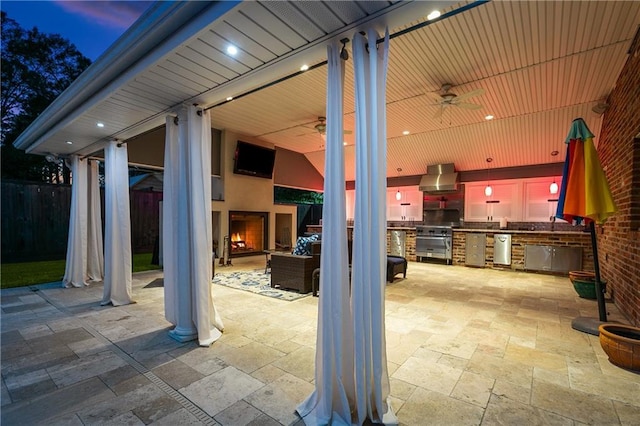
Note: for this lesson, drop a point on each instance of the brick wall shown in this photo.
(619, 152)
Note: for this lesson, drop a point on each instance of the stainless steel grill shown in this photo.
(434, 242)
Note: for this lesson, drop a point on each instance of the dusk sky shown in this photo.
(92, 26)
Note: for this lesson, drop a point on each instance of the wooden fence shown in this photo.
(35, 220)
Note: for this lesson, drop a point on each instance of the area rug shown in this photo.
(256, 282)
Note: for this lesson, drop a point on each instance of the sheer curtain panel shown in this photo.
(329, 403)
(117, 257)
(76, 261)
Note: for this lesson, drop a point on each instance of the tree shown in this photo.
(282, 194)
(36, 68)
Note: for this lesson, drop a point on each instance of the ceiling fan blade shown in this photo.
(434, 96)
(347, 132)
(470, 94)
(306, 134)
(468, 105)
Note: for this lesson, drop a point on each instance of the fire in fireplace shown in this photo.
(248, 233)
(237, 242)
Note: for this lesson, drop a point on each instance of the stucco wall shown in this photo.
(245, 193)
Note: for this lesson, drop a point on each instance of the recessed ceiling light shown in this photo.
(100, 124)
(433, 15)
(406, 132)
(69, 143)
(232, 50)
(304, 67)
(230, 98)
(488, 117)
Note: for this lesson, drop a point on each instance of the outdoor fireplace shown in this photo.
(248, 233)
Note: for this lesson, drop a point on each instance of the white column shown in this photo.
(177, 279)
(187, 246)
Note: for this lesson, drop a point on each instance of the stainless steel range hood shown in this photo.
(440, 179)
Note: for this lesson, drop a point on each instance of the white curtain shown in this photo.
(352, 381)
(95, 256)
(187, 248)
(117, 257)
(329, 402)
(76, 261)
(369, 242)
(170, 239)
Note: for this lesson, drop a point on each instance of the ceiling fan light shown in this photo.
(488, 190)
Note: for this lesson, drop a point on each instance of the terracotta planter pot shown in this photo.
(582, 275)
(622, 344)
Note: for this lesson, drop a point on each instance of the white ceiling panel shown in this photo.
(540, 63)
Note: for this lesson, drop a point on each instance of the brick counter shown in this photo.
(521, 238)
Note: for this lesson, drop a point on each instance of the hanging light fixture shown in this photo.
(488, 190)
(553, 188)
(398, 195)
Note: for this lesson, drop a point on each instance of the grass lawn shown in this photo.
(28, 273)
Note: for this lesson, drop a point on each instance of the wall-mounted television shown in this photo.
(254, 160)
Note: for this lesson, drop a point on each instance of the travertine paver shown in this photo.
(464, 346)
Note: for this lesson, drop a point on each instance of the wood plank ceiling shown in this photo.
(541, 64)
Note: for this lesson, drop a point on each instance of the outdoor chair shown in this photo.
(294, 272)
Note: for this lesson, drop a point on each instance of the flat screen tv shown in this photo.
(254, 160)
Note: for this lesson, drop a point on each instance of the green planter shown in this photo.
(586, 288)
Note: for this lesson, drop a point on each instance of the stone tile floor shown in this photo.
(465, 347)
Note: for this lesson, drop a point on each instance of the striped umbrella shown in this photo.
(585, 196)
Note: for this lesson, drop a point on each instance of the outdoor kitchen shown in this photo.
(524, 240)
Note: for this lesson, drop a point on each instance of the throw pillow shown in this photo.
(303, 245)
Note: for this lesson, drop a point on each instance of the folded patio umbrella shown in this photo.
(585, 197)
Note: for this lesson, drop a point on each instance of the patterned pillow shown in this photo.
(303, 245)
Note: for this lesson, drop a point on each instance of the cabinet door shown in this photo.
(409, 207)
(475, 203)
(413, 211)
(507, 195)
(566, 259)
(537, 258)
(538, 206)
(503, 202)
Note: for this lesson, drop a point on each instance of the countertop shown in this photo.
(392, 228)
(487, 231)
(516, 231)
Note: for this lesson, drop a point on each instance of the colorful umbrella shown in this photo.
(585, 196)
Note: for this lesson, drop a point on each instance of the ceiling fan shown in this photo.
(321, 127)
(448, 98)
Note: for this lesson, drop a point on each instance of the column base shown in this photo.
(183, 335)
